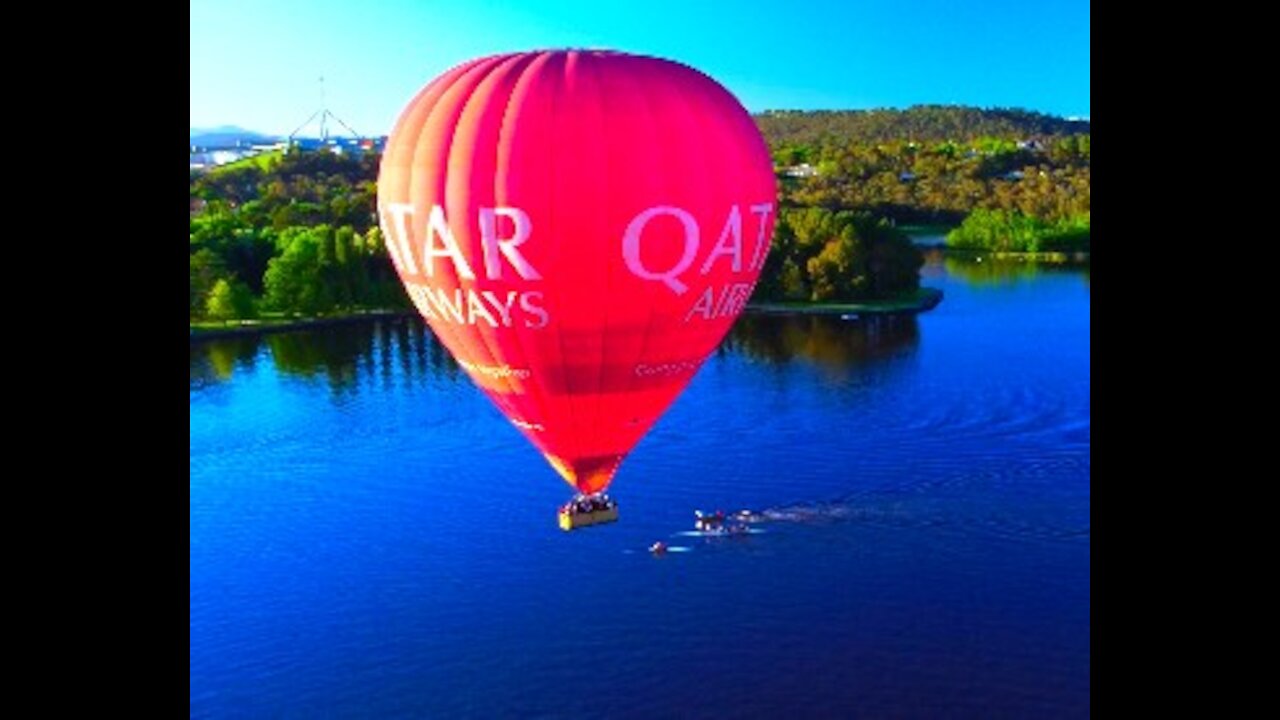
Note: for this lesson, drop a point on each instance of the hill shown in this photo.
(227, 135)
(921, 123)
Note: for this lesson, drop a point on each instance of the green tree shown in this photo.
(792, 281)
(229, 300)
(1015, 231)
(825, 256)
(835, 272)
(295, 280)
(206, 269)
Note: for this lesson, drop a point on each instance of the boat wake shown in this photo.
(900, 512)
(719, 533)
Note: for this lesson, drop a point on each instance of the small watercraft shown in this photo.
(708, 523)
(722, 531)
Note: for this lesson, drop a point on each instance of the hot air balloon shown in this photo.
(579, 228)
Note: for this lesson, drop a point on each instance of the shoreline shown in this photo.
(926, 299)
(1055, 256)
(257, 327)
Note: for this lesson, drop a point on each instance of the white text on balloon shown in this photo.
(467, 307)
(438, 242)
(729, 243)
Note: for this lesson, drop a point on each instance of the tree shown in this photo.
(1015, 231)
(229, 300)
(893, 262)
(206, 269)
(834, 272)
(294, 281)
(792, 282)
(824, 256)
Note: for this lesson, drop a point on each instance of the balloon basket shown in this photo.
(584, 512)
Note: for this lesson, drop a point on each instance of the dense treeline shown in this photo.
(922, 123)
(293, 189)
(297, 233)
(823, 256)
(1013, 231)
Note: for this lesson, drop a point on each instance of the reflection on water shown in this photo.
(405, 348)
(978, 271)
(823, 339)
(217, 360)
(396, 348)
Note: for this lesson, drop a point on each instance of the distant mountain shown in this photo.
(224, 135)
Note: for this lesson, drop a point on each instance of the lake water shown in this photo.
(370, 538)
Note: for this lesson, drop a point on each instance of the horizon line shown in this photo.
(778, 110)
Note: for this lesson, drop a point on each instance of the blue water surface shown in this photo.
(370, 538)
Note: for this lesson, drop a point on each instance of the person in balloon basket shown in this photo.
(591, 504)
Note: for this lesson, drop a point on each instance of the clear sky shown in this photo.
(258, 64)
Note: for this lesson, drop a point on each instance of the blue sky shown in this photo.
(258, 64)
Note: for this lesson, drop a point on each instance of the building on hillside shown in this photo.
(803, 170)
(344, 145)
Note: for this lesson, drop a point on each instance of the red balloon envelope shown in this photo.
(580, 229)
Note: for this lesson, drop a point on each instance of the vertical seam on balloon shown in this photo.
(642, 93)
(708, 92)
(608, 285)
(445, 329)
(676, 78)
(535, 388)
(554, 433)
(404, 142)
(707, 181)
(484, 68)
(551, 206)
(509, 401)
(648, 408)
(545, 402)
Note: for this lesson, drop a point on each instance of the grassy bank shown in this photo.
(263, 161)
(280, 322)
(1046, 257)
